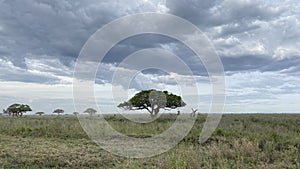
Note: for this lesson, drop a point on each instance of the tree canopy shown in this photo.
(58, 111)
(90, 111)
(153, 100)
(17, 109)
(39, 113)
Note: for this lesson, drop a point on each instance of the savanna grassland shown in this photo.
(240, 141)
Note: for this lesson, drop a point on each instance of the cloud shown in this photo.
(248, 35)
(234, 47)
(41, 97)
(213, 13)
(262, 91)
(286, 52)
(236, 28)
(246, 91)
(142, 79)
(288, 27)
(257, 41)
(57, 28)
(36, 71)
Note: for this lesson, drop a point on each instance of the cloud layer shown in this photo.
(258, 43)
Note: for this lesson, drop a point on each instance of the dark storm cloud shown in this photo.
(55, 28)
(243, 63)
(244, 26)
(285, 65)
(197, 12)
(128, 46)
(135, 43)
(24, 76)
(207, 13)
(261, 63)
(58, 29)
(48, 71)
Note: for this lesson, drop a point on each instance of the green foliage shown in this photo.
(17, 109)
(58, 111)
(153, 100)
(90, 111)
(64, 127)
(39, 113)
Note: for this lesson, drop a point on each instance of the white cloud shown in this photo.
(262, 92)
(234, 47)
(41, 97)
(42, 71)
(286, 52)
(256, 91)
(227, 42)
(50, 68)
(288, 26)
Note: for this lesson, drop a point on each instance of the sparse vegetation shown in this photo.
(241, 141)
(90, 111)
(58, 111)
(39, 113)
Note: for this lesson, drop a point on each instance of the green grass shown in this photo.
(241, 141)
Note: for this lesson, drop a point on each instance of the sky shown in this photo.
(257, 41)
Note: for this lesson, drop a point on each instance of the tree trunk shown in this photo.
(154, 113)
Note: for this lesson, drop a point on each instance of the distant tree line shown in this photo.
(151, 100)
(19, 109)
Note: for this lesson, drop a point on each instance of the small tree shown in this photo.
(5, 111)
(75, 113)
(17, 109)
(39, 113)
(58, 111)
(90, 111)
(194, 111)
(153, 101)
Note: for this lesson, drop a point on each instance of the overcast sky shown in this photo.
(258, 42)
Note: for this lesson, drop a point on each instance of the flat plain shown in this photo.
(240, 141)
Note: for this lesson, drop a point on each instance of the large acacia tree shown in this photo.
(153, 101)
(17, 109)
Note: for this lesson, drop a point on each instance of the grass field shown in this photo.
(241, 141)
